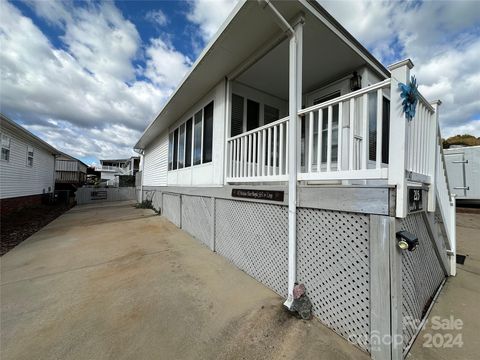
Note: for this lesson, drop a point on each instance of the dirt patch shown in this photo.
(19, 225)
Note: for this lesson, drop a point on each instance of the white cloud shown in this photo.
(209, 15)
(157, 17)
(165, 66)
(83, 97)
(441, 37)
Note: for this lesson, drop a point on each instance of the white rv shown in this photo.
(286, 150)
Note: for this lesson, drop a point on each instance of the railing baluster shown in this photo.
(280, 160)
(264, 138)
(340, 136)
(364, 155)
(309, 156)
(254, 161)
(232, 157)
(426, 141)
(379, 127)
(274, 150)
(249, 156)
(269, 149)
(329, 138)
(286, 147)
(351, 148)
(319, 140)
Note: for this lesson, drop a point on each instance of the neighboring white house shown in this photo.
(27, 167)
(286, 150)
(111, 169)
(463, 170)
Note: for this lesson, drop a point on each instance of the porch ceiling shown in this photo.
(246, 30)
(325, 58)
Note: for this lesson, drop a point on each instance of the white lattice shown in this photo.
(197, 218)
(254, 236)
(171, 208)
(422, 274)
(333, 263)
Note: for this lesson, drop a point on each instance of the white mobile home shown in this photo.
(27, 167)
(463, 171)
(287, 150)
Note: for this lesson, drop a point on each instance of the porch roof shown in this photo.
(247, 29)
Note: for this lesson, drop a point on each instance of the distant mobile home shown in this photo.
(287, 150)
(27, 167)
(70, 172)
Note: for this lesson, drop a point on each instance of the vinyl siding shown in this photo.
(16, 178)
(156, 162)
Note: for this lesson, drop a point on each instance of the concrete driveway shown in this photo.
(114, 282)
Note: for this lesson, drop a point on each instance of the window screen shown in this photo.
(207, 132)
(270, 114)
(253, 114)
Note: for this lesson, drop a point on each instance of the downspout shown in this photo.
(141, 152)
(295, 91)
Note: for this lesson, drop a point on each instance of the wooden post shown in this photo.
(396, 319)
(380, 325)
(397, 161)
(432, 157)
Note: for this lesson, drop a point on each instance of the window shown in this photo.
(29, 156)
(237, 115)
(191, 143)
(207, 133)
(197, 141)
(5, 148)
(181, 146)
(372, 127)
(175, 149)
(188, 143)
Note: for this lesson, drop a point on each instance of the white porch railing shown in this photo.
(259, 154)
(336, 144)
(421, 139)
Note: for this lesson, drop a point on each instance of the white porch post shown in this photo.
(397, 159)
(295, 101)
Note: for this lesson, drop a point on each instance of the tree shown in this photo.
(463, 140)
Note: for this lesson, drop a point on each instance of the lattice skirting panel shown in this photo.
(422, 274)
(197, 218)
(155, 197)
(172, 208)
(333, 263)
(254, 236)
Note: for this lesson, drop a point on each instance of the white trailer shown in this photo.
(463, 171)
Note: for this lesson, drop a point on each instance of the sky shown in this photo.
(89, 76)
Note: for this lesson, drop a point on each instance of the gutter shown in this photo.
(295, 98)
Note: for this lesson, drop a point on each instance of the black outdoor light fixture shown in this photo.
(406, 240)
(355, 82)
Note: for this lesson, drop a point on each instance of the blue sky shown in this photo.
(88, 76)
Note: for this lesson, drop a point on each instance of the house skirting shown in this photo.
(339, 259)
(10, 205)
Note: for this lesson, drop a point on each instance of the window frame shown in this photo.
(190, 118)
(30, 162)
(6, 147)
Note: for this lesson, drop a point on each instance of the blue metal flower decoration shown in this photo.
(410, 97)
